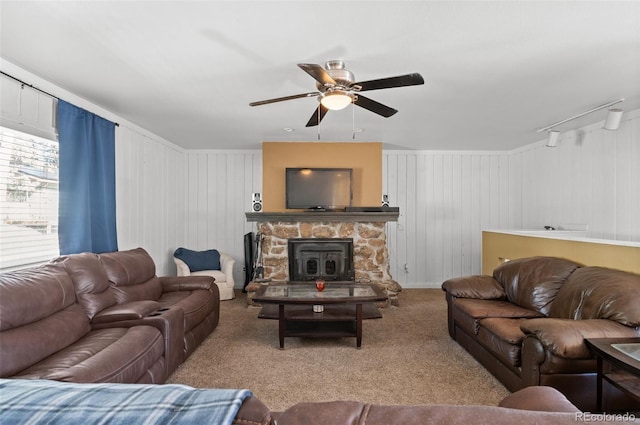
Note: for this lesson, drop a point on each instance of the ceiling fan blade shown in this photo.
(387, 83)
(373, 106)
(317, 72)
(317, 116)
(280, 99)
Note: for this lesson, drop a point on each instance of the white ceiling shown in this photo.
(186, 70)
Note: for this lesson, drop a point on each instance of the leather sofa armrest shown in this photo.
(186, 283)
(253, 412)
(479, 287)
(565, 337)
(541, 398)
(128, 311)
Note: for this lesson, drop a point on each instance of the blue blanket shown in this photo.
(50, 402)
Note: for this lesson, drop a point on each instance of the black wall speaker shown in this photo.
(256, 202)
(385, 200)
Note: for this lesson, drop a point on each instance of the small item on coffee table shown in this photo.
(320, 284)
(318, 308)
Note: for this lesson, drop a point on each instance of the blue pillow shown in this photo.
(199, 260)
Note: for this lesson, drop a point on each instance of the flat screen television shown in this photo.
(319, 188)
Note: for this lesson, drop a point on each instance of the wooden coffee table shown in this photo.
(619, 365)
(344, 307)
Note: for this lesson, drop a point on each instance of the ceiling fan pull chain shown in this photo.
(353, 121)
(318, 126)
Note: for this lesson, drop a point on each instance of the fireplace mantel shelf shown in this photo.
(319, 216)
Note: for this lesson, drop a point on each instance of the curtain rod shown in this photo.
(38, 89)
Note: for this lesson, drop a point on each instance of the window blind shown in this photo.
(28, 199)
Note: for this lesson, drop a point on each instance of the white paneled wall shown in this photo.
(168, 197)
(218, 186)
(445, 200)
(150, 196)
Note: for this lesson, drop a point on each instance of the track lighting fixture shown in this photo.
(612, 122)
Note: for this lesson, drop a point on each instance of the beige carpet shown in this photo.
(407, 357)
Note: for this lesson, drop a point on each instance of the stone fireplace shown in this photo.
(367, 231)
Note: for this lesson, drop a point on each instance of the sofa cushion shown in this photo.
(105, 355)
(90, 282)
(503, 337)
(25, 345)
(33, 294)
(599, 293)
(480, 309)
(565, 337)
(534, 282)
(468, 312)
(132, 274)
(39, 316)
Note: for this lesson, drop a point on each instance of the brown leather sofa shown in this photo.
(535, 405)
(102, 318)
(527, 323)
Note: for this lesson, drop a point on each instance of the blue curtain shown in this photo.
(87, 206)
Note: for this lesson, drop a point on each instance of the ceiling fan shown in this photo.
(337, 89)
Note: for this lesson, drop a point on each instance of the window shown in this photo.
(28, 199)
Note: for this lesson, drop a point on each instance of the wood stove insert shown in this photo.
(328, 258)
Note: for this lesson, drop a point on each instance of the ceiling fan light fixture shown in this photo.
(336, 100)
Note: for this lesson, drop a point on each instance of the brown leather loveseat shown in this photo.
(102, 318)
(528, 321)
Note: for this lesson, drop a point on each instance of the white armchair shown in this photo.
(224, 277)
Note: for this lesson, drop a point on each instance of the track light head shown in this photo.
(614, 116)
(552, 139)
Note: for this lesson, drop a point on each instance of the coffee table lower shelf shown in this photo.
(336, 321)
(331, 312)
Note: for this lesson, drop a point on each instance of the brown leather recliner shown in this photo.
(527, 323)
(46, 334)
(132, 276)
(97, 297)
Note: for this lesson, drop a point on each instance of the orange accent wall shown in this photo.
(364, 157)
